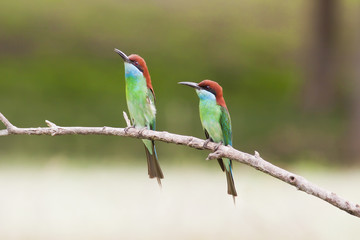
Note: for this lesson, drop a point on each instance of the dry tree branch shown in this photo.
(254, 161)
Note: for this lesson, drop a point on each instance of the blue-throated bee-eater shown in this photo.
(215, 119)
(140, 99)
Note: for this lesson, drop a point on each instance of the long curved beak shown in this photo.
(190, 84)
(122, 55)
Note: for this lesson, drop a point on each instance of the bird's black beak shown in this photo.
(190, 84)
(122, 55)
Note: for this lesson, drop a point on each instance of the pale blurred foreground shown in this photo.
(107, 202)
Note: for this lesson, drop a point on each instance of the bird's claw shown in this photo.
(218, 145)
(127, 128)
(206, 143)
(142, 130)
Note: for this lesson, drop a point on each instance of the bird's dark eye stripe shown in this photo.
(209, 89)
(136, 64)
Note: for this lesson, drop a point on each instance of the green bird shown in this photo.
(140, 98)
(215, 119)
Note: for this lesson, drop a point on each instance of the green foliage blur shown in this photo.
(57, 63)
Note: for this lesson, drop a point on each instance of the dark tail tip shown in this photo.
(154, 169)
(159, 182)
(231, 185)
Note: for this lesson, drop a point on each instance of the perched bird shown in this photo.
(216, 122)
(140, 99)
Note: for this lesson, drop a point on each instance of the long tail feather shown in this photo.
(221, 163)
(230, 184)
(154, 169)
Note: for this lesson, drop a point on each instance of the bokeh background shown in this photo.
(291, 80)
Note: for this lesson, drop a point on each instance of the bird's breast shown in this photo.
(210, 114)
(141, 109)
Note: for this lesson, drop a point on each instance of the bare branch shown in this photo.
(128, 123)
(4, 132)
(6, 122)
(218, 151)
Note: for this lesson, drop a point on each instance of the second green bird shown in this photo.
(215, 119)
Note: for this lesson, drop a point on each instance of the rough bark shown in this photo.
(217, 151)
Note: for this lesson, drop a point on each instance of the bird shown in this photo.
(140, 98)
(216, 122)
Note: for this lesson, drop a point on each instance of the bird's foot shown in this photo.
(218, 145)
(142, 130)
(206, 143)
(127, 128)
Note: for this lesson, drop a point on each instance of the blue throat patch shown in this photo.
(132, 71)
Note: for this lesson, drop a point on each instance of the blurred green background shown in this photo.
(57, 63)
(290, 71)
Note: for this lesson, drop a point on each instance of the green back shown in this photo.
(151, 97)
(225, 123)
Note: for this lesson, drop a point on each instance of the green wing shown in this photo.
(151, 98)
(225, 123)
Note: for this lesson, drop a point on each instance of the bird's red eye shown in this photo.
(136, 64)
